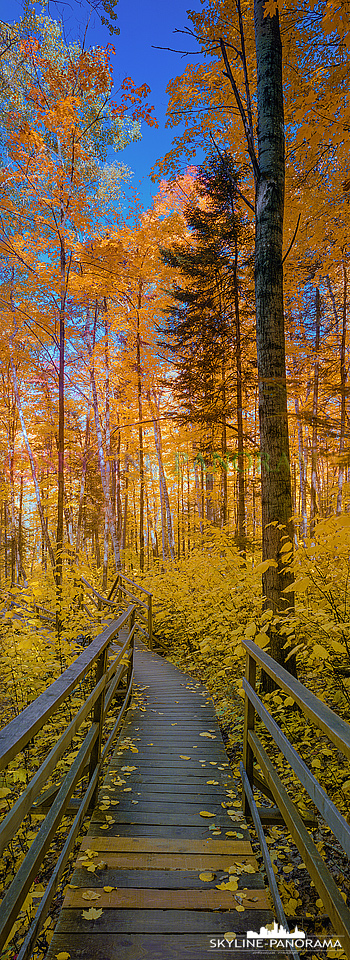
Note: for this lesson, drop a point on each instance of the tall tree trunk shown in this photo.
(240, 476)
(83, 479)
(270, 181)
(139, 402)
(198, 496)
(302, 472)
(342, 391)
(60, 440)
(313, 503)
(126, 491)
(224, 469)
(164, 495)
(102, 461)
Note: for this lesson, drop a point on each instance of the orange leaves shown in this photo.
(135, 96)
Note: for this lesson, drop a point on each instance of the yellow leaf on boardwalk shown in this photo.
(215, 782)
(232, 884)
(184, 758)
(210, 735)
(90, 895)
(62, 956)
(207, 876)
(92, 914)
(205, 813)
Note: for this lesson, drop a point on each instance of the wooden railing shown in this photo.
(137, 594)
(338, 732)
(111, 655)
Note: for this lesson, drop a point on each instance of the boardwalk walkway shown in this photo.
(149, 841)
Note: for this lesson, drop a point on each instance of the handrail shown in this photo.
(338, 731)
(118, 588)
(17, 734)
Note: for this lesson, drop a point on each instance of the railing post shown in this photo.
(118, 590)
(249, 720)
(132, 648)
(150, 622)
(98, 717)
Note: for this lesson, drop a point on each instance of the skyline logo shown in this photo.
(274, 936)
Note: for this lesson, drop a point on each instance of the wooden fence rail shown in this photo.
(113, 665)
(338, 731)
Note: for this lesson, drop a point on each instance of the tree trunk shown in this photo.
(240, 477)
(102, 463)
(342, 393)
(82, 482)
(60, 442)
(270, 180)
(302, 472)
(313, 503)
(164, 495)
(141, 458)
(126, 491)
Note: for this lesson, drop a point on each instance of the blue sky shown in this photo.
(142, 25)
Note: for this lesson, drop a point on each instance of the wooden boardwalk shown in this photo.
(149, 842)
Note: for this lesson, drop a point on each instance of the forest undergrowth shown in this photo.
(204, 606)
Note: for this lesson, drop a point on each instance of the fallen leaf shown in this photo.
(205, 813)
(210, 735)
(215, 782)
(62, 956)
(90, 895)
(184, 758)
(207, 876)
(232, 884)
(109, 889)
(92, 914)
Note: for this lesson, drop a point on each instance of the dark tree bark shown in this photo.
(270, 181)
(313, 502)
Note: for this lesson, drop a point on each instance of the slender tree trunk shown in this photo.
(198, 497)
(224, 447)
(240, 476)
(270, 181)
(60, 442)
(139, 401)
(102, 463)
(164, 495)
(105, 557)
(126, 490)
(83, 480)
(302, 472)
(342, 391)
(314, 444)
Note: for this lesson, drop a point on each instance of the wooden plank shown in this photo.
(176, 946)
(163, 921)
(161, 804)
(156, 816)
(167, 861)
(158, 899)
(134, 844)
(152, 830)
(170, 879)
